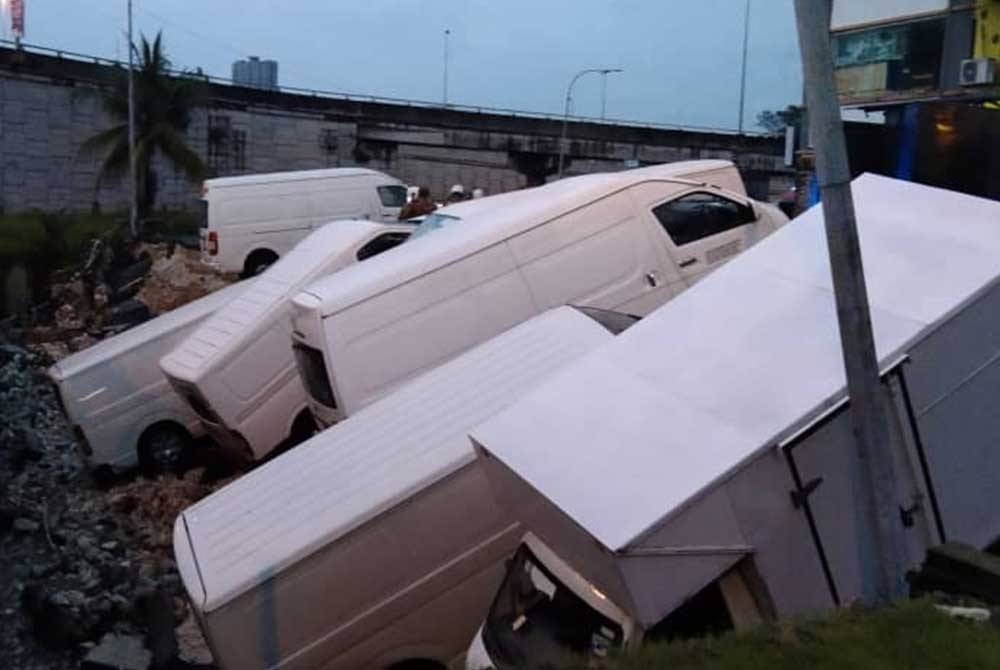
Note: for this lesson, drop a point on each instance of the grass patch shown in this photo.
(912, 635)
(57, 240)
(21, 236)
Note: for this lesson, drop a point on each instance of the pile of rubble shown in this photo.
(84, 573)
(111, 292)
(177, 276)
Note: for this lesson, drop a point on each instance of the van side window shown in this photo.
(383, 242)
(392, 196)
(698, 215)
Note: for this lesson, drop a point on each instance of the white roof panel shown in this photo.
(348, 474)
(294, 175)
(138, 336)
(489, 221)
(740, 360)
(235, 322)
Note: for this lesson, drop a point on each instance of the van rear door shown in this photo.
(207, 251)
(391, 198)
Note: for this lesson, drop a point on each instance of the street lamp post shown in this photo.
(604, 95)
(569, 96)
(447, 32)
(743, 66)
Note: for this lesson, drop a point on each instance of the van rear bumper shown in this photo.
(325, 416)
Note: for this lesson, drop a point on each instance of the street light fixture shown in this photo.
(569, 93)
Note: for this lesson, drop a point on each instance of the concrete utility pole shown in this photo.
(133, 223)
(880, 540)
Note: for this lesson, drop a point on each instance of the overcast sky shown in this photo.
(681, 58)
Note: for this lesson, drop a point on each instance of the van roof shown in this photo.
(345, 476)
(137, 336)
(295, 175)
(492, 220)
(233, 325)
(739, 362)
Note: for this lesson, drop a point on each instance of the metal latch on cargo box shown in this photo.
(800, 496)
(906, 514)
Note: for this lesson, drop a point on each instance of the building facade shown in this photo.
(256, 73)
(894, 52)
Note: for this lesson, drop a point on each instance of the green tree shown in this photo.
(775, 122)
(163, 107)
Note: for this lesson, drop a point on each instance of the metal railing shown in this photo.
(406, 102)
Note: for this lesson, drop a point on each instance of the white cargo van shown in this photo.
(627, 241)
(237, 370)
(708, 483)
(117, 400)
(250, 221)
(375, 543)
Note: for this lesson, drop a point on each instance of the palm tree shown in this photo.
(163, 106)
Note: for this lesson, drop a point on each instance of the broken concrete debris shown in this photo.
(105, 298)
(118, 652)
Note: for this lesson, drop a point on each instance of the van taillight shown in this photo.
(213, 243)
(312, 370)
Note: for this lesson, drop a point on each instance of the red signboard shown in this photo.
(17, 17)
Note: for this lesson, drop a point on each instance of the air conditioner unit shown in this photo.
(977, 71)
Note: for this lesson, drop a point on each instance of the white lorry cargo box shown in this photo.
(715, 435)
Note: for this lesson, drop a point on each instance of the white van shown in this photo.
(251, 221)
(736, 499)
(117, 400)
(627, 241)
(375, 543)
(237, 370)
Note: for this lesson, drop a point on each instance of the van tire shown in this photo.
(257, 262)
(303, 428)
(164, 448)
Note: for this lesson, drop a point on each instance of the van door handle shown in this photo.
(688, 261)
(653, 278)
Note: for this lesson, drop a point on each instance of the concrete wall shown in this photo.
(51, 105)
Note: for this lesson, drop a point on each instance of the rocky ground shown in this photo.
(87, 572)
(78, 562)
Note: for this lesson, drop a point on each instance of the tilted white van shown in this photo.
(250, 221)
(699, 472)
(237, 371)
(116, 398)
(627, 241)
(376, 543)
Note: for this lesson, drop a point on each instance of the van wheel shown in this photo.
(163, 448)
(257, 262)
(303, 428)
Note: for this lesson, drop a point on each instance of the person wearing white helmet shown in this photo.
(478, 193)
(456, 194)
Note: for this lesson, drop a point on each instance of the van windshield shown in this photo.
(538, 619)
(433, 222)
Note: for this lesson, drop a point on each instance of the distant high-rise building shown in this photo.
(256, 73)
